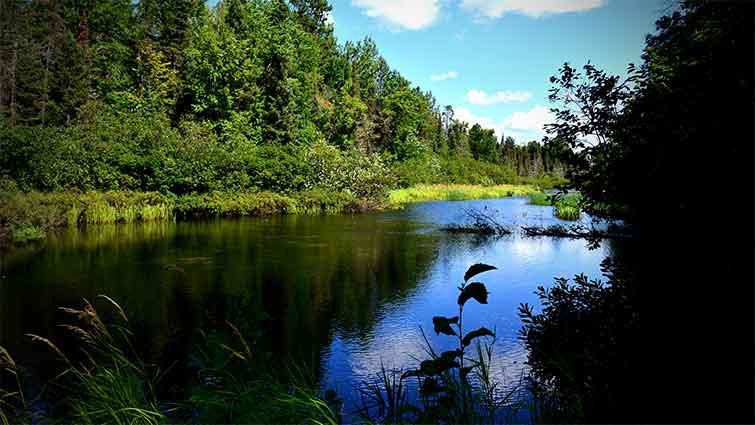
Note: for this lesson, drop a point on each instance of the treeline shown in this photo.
(175, 96)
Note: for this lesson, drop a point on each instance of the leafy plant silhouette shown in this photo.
(443, 379)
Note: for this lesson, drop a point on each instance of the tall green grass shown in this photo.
(13, 405)
(539, 198)
(456, 192)
(567, 212)
(111, 384)
(108, 381)
(565, 207)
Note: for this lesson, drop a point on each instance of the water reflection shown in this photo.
(343, 293)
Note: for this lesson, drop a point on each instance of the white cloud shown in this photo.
(402, 14)
(450, 75)
(330, 20)
(522, 126)
(533, 120)
(479, 97)
(463, 114)
(531, 8)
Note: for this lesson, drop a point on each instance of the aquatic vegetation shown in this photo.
(110, 383)
(239, 384)
(27, 233)
(567, 212)
(446, 394)
(456, 192)
(539, 198)
(565, 206)
(107, 381)
(13, 404)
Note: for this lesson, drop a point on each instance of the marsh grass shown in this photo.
(106, 381)
(567, 212)
(25, 217)
(539, 198)
(456, 192)
(110, 383)
(565, 207)
(13, 405)
(239, 384)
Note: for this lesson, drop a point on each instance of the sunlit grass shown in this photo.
(565, 207)
(457, 192)
(539, 198)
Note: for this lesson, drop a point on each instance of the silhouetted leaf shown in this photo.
(430, 386)
(475, 290)
(443, 325)
(436, 366)
(450, 355)
(474, 334)
(476, 269)
(465, 371)
(410, 373)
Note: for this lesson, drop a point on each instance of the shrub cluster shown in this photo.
(142, 151)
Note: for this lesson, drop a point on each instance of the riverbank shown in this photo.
(26, 217)
(457, 192)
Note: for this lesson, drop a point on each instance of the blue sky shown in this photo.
(491, 59)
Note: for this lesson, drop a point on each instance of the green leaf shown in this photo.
(475, 290)
(474, 334)
(443, 325)
(476, 269)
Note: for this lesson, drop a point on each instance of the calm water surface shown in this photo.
(343, 293)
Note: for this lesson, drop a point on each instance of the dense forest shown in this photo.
(180, 97)
(253, 107)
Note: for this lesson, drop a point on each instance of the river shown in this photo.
(344, 294)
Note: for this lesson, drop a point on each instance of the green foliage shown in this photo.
(483, 144)
(237, 384)
(566, 212)
(111, 383)
(565, 207)
(364, 176)
(178, 98)
(578, 371)
(540, 198)
(106, 381)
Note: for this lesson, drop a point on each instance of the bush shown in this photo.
(355, 173)
(579, 345)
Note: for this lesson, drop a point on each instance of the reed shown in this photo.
(12, 401)
(567, 212)
(112, 384)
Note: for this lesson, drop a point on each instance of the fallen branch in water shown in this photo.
(482, 224)
(577, 231)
